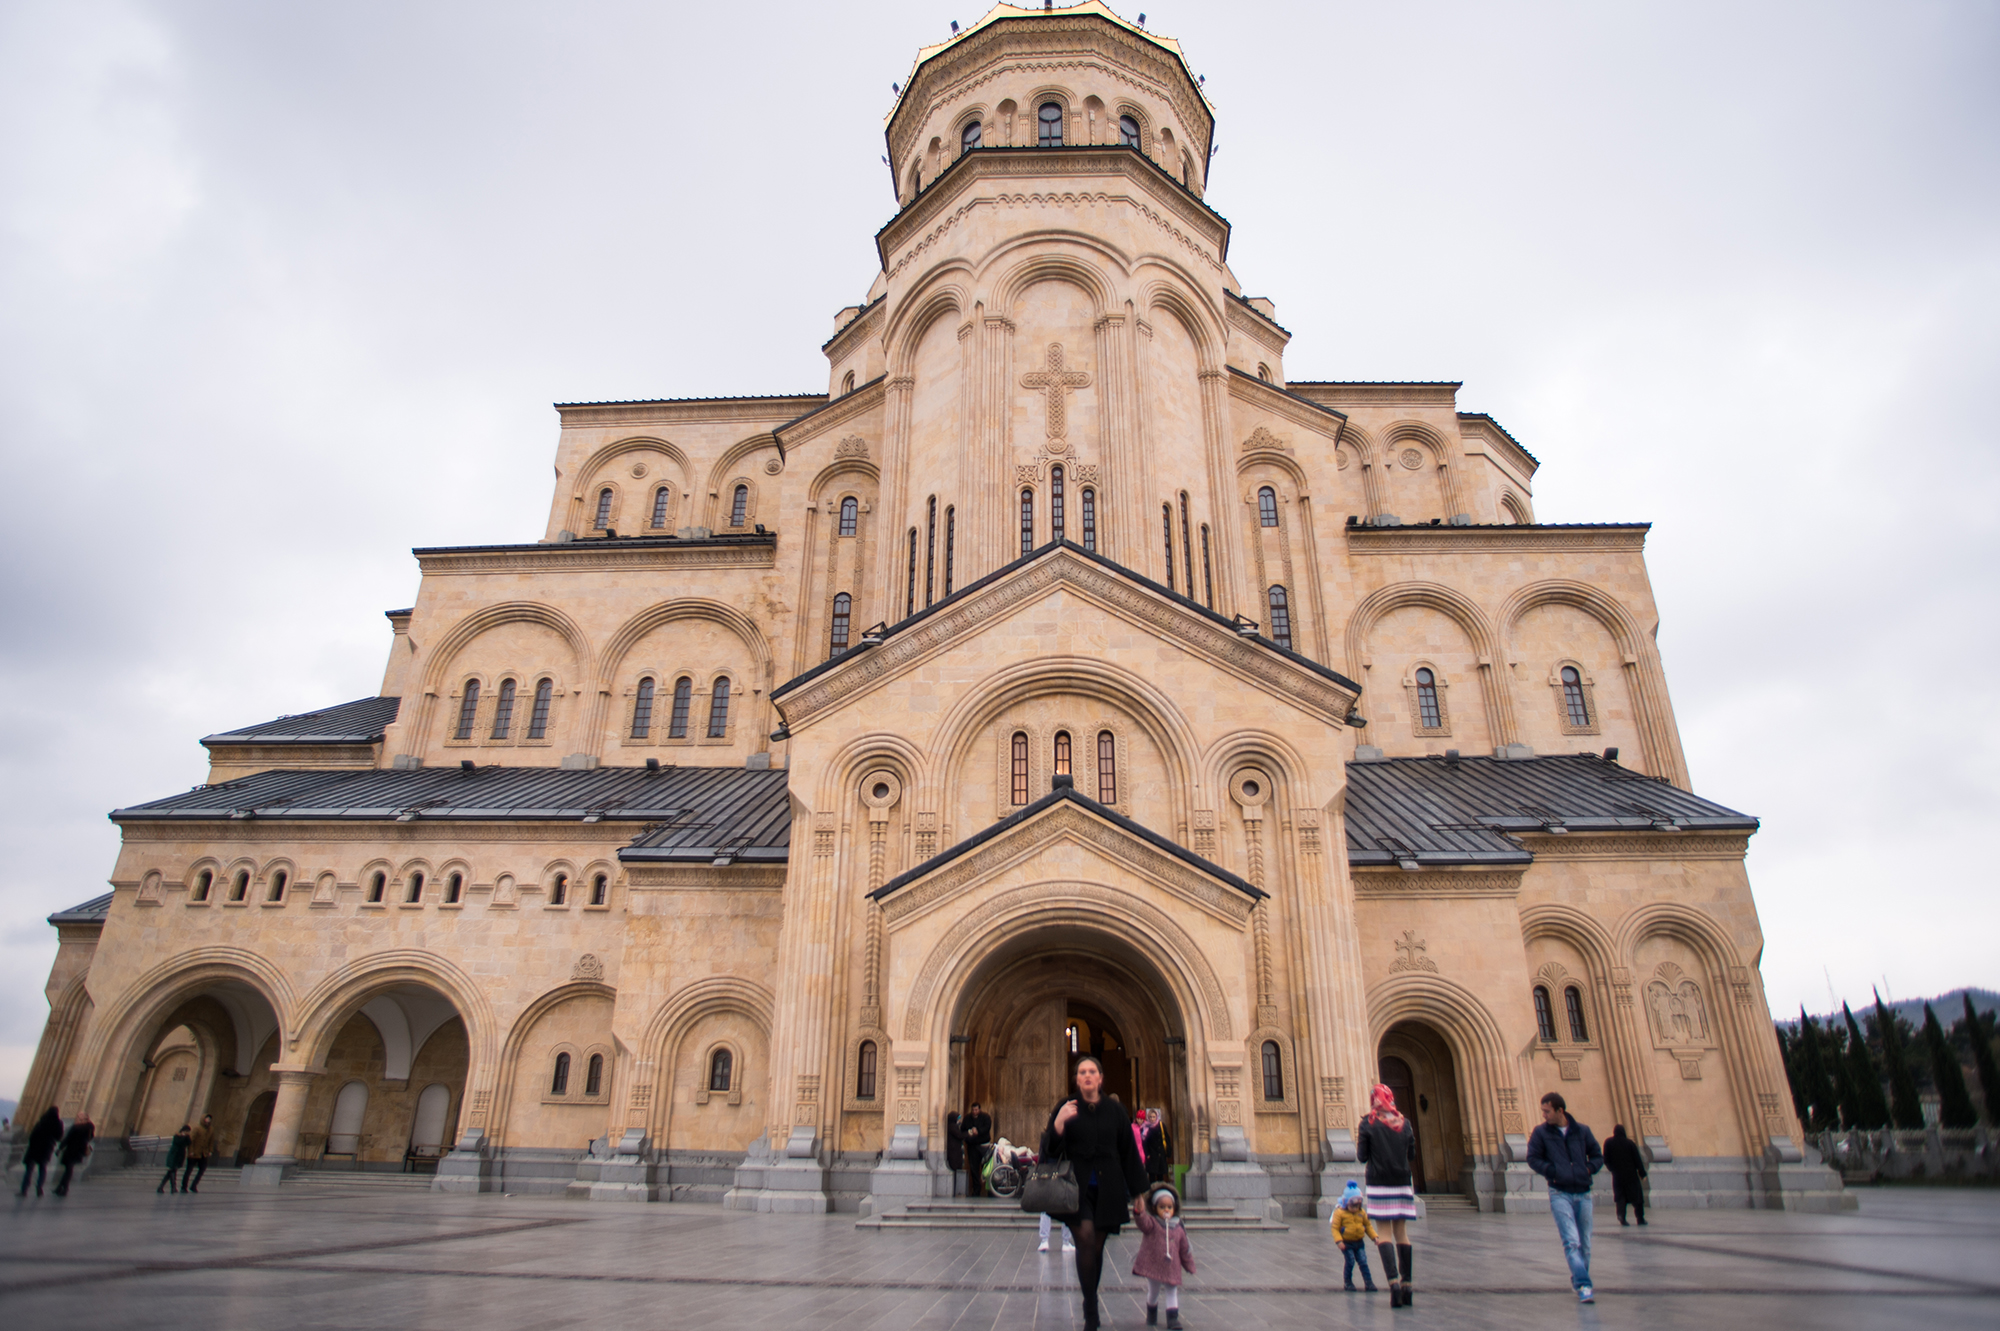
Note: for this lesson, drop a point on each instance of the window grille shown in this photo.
(1107, 768)
(1274, 1071)
(1090, 520)
(1281, 618)
(1207, 578)
(864, 1072)
(1027, 521)
(660, 498)
(603, 508)
(1055, 503)
(968, 138)
(850, 515)
(1167, 533)
(559, 1084)
(503, 710)
(1187, 546)
(739, 507)
(677, 724)
(930, 552)
(718, 708)
(593, 1076)
(1020, 768)
(721, 1066)
(1429, 715)
(1063, 753)
(950, 546)
(1573, 1009)
(468, 710)
(642, 710)
(538, 720)
(1545, 1020)
(1050, 120)
(1128, 131)
(910, 597)
(1267, 506)
(1573, 699)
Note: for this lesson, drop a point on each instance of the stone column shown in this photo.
(1221, 506)
(281, 1143)
(1119, 480)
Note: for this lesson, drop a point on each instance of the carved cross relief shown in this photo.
(1415, 953)
(1055, 383)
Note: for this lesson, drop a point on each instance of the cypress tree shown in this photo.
(1812, 1069)
(1954, 1105)
(1847, 1098)
(1906, 1110)
(1982, 1057)
(1788, 1054)
(1871, 1107)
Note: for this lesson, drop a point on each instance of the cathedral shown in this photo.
(1065, 678)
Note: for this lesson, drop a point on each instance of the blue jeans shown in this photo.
(1573, 1211)
(1356, 1254)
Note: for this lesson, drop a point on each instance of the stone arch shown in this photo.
(52, 1057)
(611, 452)
(944, 297)
(1252, 458)
(1461, 611)
(343, 993)
(1491, 1095)
(462, 633)
(827, 481)
(509, 1069)
(612, 659)
(1444, 468)
(1204, 325)
(652, 1085)
(1265, 749)
(1010, 283)
(879, 749)
(1514, 510)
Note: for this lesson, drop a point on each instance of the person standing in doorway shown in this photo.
(1563, 1152)
(200, 1144)
(977, 1127)
(1627, 1166)
(177, 1150)
(1092, 1132)
(1384, 1142)
(1159, 1152)
(954, 1151)
(42, 1139)
(75, 1150)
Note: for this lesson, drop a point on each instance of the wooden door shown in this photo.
(1397, 1077)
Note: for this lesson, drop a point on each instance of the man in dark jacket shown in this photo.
(42, 1139)
(977, 1128)
(75, 1150)
(954, 1149)
(200, 1146)
(1628, 1172)
(1563, 1152)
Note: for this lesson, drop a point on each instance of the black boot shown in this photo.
(1388, 1252)
(1152, 1315)
(1173, 1319)
(1403, 1255)
(1090, 1312)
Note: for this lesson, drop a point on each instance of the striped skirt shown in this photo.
(1391, 1203)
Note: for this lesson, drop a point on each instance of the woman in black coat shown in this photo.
(1627, 1168)
(1384, 1141)
(1094, 1134)
(75, 1150)
(42, 1139)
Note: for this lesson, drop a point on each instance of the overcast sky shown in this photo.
(288, 289)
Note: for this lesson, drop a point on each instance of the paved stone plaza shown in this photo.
(368, 1254)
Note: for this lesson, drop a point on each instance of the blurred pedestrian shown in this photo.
(177, 1150)
(42, 1139)
(75, 1150)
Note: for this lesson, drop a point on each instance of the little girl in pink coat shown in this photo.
(1163, 1253)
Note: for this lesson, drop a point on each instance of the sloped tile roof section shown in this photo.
(1072, 795)
(744, 806)
(1446, 811)
(359, 722)
(92, 911)
(723, 823)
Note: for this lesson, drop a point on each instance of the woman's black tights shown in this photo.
(1089, 1264)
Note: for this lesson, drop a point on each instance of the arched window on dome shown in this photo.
(739, 507)
(677, 722)
(1429, 715)
(1019, 768)
(468, 710)
(969, 137)
(1027, 521)
(1167, 534)
(538, 719)
(603, 508)
(1050, 122)
(454, 889)
(1107, 768)
(1128, 132)
(1267, 506)
(1545, 1017)
(843, 610)
(1187, 545)
(718, 708)
(1090, 519)
(910, 596)
(642, 710)
(950, 545)
(1281, 617)
(503, 710)
(930, 553)
(204, 882)
(1207, 576)
(1063, 755)
(600, 889)
(1056, 503)
(1574, 702)
(850, 516)
(661, 498)
(1573, 1009)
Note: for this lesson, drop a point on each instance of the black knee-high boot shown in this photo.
(1388, 1252)
(1403, 1254)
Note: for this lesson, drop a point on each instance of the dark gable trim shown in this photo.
(1078, 798)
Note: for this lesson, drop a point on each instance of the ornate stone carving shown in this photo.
(1509, 1100)
(1204, 833)
(1307, 821)
(824, 826)
(642, 1096)
(1411, 458)
(772, 466)
(1055, 382)
(1690, 1066)
(1026, 473)
(854, 446)
(1262, 439)
(482, 1104)
(1086, 473)
(1656, 846)
(909, 1087)
(1437, 883)
(1413, 952)
(1676, 1011)
(806, 1100)
(587, 967)
(1570, 1069)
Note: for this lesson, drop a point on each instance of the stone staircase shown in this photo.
(1447, 1203)
(375, 1180)
(994, 1213)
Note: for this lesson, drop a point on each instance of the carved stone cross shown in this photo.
(1414, 954)
(1056, 382)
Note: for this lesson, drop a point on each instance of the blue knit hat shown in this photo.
(1353, 1189)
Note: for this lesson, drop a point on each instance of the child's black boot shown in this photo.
(1173, 1319)
(1152, 1315)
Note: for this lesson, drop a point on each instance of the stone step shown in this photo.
(366, 1178)
(941, 1213)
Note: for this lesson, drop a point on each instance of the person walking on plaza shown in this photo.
(1069, 1243)
(1384, 1142)
(177, 1150)
(1563, 1152)
(1092, 1132)
(42, 1139)
(1353, 1230)
(977, 1129)
(954, 1151)
(201, 1143)
(1627, 1167)
(75, 1150)
(1163, 1252)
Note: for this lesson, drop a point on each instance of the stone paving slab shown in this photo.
(114, 1255)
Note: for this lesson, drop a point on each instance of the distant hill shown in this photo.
(1949, 1006)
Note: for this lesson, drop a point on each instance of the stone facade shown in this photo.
(1060, 523)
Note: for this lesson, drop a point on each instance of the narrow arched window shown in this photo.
(843, 611)
(416, 892)
(910, 598)
(1090, 520)
(739, 507)
(1545, 1019)
(661, 497)
(1281, 618)
(1187, 545)
(864, 1071)
(204, 883)
(559, 1084)
(850, 516)
(968, 138)
(1263, 372)
(278, 881)
(376, 884)
(1267, 506)
(1207, 577)
(1429, 715)
(950, 546)
(1167, 534)
(454, 888)
(1050, 121)
(503, 710)
(1027, 521)
(1055, 503)
(1062, 754)
(559, 890)
(600, 889)
(1574, 702)
(468, 710)
(677, 723)
(930, 552)
(1573, 1009)
(721, 1066)
(847, 383)
(1274, 1071)
(240, 888)
(1128, 132)
(1019, 794)
(642, 710)
(603, 508)
(718, 708)
(1107, 768)
(593, 1075)
(1187, 171)
(538, 719)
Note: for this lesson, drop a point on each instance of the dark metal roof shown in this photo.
(92, 911)
(633, 542)
(741, 804)
(1077, 797)
(1437, 811)
(359, 722)
(1436, 525)
(1303, 401)
(722, 822)
(676, 401)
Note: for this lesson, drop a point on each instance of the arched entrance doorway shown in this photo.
(393, 1083)
(1045, 999)
(1416, 1064)
(204, 1050)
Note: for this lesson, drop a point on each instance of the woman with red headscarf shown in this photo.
(1384, 1142)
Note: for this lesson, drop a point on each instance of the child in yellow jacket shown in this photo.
(1354, 1231)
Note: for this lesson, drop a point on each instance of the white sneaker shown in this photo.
(1586, 1295)
(1044, 1247)
(1068, 1246)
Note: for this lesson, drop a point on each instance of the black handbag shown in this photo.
(1051, 1188)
